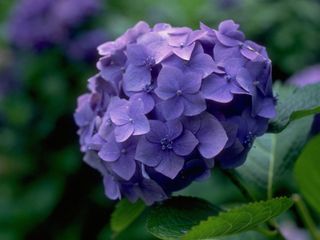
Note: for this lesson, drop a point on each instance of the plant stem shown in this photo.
(272, 224)
(271, 169)
(248, 196)
(273, 229)
(267, 232)
(305, 215)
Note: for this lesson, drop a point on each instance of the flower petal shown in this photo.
(141, 125)
(136, 78)
(148, 153)
(245, 80)
(147, 99)
(168, 82)
(151, 191)
(169, 112)
(212, 136)
(123, 132)
(110, 151)
(137, 54)
(203, 63)
(124, 167)
(190, 83)
(194, 104)
(171, 165)
(174, 129)
(217, 89)
(220, 53)
(185, 144)
(111, 188)
(184, 52)
(158, 130)
(119, 114)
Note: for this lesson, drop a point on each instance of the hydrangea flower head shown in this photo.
(169, 103)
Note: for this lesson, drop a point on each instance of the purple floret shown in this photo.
(181, 91)
(169, 104)
(165, 146)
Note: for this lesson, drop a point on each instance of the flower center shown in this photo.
(98, 121)
(228, 78)
(166, 144)
(123, 151)
(256, 83)
(131, 120)
(186, 63)
(181, 45)
(179, 92)
(249, 139)
(108, 122)
(148, 88)
(149, 62)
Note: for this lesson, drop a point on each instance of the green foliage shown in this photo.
(307, 170)
(237, 220)
(300, 103)
(125, 213)
(174, 217)
(44, 193)
(273, 154)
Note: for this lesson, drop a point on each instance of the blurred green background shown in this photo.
(46, 191)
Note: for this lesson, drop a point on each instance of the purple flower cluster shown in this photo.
(170, 102)
(37, 24)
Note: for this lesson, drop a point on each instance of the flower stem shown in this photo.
(305, 215)
(267, 232)
(232, 177)
(272, 230)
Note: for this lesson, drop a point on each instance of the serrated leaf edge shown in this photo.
(237, 208)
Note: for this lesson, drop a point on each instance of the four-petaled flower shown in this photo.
(138, 73)
(182, 41)
(120, 156)
(181, 91)
(200, 63)
(209, 132)
(165, 146)
(129, 119)
(221, 85)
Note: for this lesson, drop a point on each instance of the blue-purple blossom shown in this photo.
(210, 133)
(182, 41)
(165, 146)
(222, 84)
(200, 63)
(170, 103)
(129, 119)
(120, 156)
(181, 91)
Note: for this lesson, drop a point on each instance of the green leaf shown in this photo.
(174, 217)
(125, 213)
(237, 220)
(300, 103)
(307, 170)
(274, 154)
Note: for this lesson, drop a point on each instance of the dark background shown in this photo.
(46, 191)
